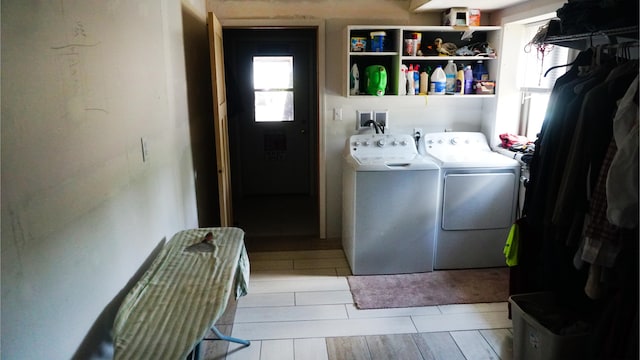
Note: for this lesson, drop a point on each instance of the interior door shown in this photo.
(273, 71)
(220, 119)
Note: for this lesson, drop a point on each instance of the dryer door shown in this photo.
(478, 201)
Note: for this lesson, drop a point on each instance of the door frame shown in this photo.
(320, 28)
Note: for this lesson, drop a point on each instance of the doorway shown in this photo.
(272, 92)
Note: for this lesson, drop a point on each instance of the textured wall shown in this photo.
(83, 82)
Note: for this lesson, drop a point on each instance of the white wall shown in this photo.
(434, 114)
(82, 82)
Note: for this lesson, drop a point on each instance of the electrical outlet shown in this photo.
(362, 116)
(418, 132)
(381, 117)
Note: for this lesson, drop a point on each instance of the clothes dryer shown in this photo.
(479, 191)
(390, 200)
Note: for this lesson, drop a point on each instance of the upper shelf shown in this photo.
(437, 5)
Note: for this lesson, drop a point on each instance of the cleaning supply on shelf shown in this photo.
(424, 82)
(459, 82)
(377, 40)
(439, 79)
(450, 72)
(480, 72)
(354, 87)
(416, 79)
(402, 84)
(410, 81)
(376, 79)
(468, 80)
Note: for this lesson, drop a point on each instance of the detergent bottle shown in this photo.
(410, 81)
(450, 72)
(460, 82)
(416, 79)
(439, 79)
(468, 80)
(424, 82)
(376, 79)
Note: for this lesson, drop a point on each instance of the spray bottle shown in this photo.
(354, 87)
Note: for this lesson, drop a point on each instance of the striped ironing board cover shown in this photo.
(169, 311)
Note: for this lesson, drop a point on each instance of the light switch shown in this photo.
(337, 114)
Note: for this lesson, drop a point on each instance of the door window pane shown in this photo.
(273, 88)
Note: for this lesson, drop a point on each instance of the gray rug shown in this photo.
(440, 287)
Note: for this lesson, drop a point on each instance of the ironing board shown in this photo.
(168, 312)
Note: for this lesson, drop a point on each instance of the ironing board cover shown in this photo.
(181, 296)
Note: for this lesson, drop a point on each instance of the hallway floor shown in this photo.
(299, 307)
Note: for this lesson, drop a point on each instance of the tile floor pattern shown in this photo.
(299, 307)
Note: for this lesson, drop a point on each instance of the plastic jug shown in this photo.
(450, 71)
(439, 79)
(479, 72)
(376, 79)
(468, 80)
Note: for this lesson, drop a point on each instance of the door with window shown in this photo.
(273, 78)
(273, 120)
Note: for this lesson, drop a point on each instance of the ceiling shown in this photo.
(437, 5)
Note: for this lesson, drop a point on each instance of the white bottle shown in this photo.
(439, 79)
(403, 80)
(450, 73)
(354, 87)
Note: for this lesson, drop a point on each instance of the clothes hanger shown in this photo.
(583, 58)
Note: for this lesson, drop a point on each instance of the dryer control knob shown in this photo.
(367, 143)
(357, 143)
(381, 143)
(454, 141)
(440, 141)
(395, 142)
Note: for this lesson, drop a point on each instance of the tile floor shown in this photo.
(299, 307)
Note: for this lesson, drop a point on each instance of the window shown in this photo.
(535, 87)
(273, 88)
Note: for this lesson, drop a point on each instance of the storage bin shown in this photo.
(534, 341)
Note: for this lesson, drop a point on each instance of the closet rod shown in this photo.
(632, 31)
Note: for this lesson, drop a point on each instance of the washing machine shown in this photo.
(390, 200)
(479, 192)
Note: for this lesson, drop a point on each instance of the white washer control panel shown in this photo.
(456, 142)
(382, 145)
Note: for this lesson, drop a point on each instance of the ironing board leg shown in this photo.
(228, 338)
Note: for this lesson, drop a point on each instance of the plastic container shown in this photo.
(439, 80)
(424, 81)
(480, 72)
(416, 80)
(460, 82)
(410, 82)
(354, 87)
(534, 341)
(450, 72)
(376, 79)
(358, 44)
(402, 88)
(468, 80)
(377, 41)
